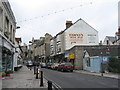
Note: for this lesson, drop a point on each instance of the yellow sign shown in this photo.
(72, 56)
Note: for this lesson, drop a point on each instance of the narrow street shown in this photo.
(38, 38)
(78, 80)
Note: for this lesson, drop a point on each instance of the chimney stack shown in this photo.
(68, 24)
(119, 30)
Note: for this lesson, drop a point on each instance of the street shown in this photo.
(78, 80)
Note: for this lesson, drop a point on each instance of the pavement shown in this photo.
(107, 74)
(23, 78)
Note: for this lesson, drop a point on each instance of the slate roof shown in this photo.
(103, 51)
(112, 39)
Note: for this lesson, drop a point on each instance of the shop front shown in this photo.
(71, 58)
(59, 58)
(7, 56)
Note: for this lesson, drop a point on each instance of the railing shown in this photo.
(53, 85)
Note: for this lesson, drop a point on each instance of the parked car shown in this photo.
(54, 66)
(66, 67)
(29, 64)
(48, 65)
(36, 63)
(43, 65)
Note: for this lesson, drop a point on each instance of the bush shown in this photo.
(3, 74)
(9, 71)
(114, 65)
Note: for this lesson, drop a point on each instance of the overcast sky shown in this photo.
(37, 17)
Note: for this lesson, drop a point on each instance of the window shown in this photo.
(6, 27)
(107, 42)
(88, 61)
(11, 36)
(58, 46)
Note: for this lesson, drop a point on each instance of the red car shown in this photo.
(66, 67)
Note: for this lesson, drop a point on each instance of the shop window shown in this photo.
(6, 27)
(107, 42)
(88, 61)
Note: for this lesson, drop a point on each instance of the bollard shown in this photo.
(37, 73)
(34, 69)
(101, 74)
(102, 70)
(41, 79)
(49, 85)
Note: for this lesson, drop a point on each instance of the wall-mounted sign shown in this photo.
(92, 38)
(75, 38)
(72, 56)
(104, 59)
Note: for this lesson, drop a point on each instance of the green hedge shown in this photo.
(114, 65)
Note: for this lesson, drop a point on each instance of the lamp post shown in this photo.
(17, 27)
(101, 63)
(101, 53)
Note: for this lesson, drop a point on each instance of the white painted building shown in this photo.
(7, 35)
(109, 40)
(17, 56)
(52, 47)
(78, 33)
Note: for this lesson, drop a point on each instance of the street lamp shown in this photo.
(17, 27)
(101, 53)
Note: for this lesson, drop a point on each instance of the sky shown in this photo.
(37, 17)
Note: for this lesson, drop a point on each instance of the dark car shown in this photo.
(29, 64)
(66, 67)
(36, 64)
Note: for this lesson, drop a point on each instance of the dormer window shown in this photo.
(107, 42)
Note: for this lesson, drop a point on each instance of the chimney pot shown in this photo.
(68, 24)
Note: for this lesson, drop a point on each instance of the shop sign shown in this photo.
(8, 46)
(104, 59)
(92, 38)
(72, 56)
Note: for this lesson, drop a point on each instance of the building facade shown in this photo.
(78, 54)
(96, 59)
(78, 33)
(7, 35)
(109, 40)
(41, 48)
(17, 55)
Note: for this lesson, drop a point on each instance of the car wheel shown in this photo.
(71, 70)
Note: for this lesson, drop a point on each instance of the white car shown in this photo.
(43, 65)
